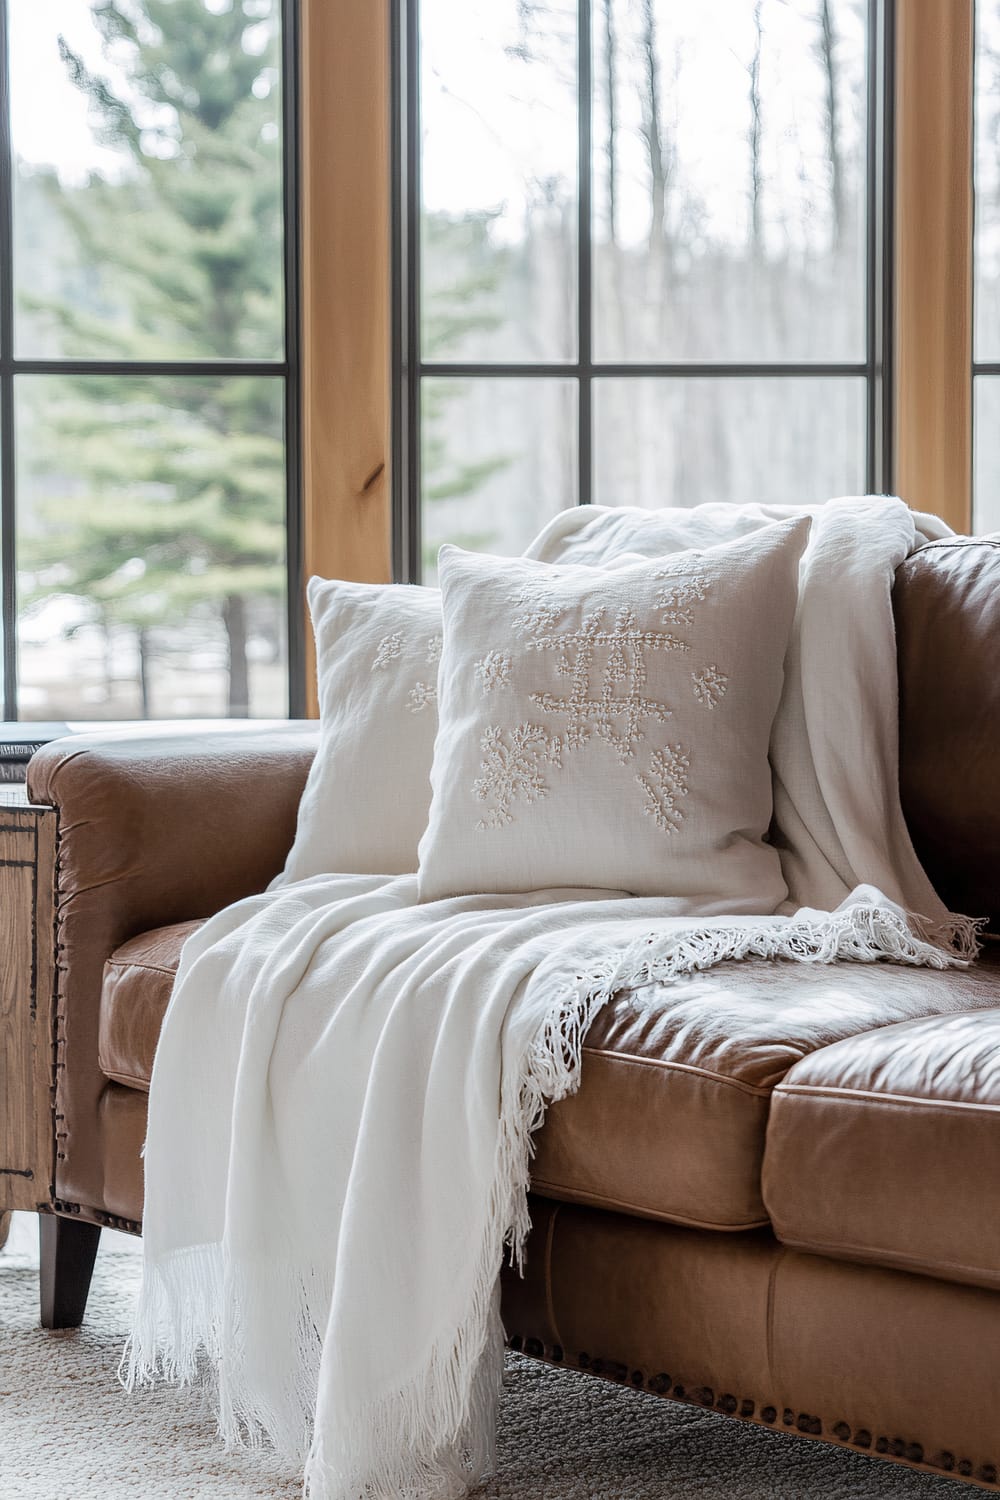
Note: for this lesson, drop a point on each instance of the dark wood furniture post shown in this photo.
(68, 1250)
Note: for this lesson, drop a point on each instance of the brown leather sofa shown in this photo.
(777, 1193)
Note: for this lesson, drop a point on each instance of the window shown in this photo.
(148, 380)
(746, 291)
(986, 284)
(640, 259)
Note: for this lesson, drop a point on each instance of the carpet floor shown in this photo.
(68, 1431)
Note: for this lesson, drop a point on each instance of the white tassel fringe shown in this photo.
(433, 1438)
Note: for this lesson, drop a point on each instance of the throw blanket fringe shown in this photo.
(433, 1436)
(347, 1082)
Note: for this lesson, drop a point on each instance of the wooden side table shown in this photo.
(27, 1002)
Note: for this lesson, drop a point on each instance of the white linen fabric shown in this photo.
(347, 1079)
(610, 728)
(365, 801)
(835, 744)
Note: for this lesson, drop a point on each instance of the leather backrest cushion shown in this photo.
(947, 606)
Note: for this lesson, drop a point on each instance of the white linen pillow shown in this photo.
(609, 728)
(365, 801)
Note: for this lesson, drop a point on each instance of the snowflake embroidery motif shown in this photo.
(389, 648)
(603, 663)
(434, 650)
(511, 767)
(493, 671)
(539, 610)
(419, 696)
(617, 707)
(665, 784)
(676, 601)
(709, 686)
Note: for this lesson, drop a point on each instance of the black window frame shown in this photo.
(408, 368)
(287, 368)
(989, 367)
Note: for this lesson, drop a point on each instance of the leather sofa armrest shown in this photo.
(161, 824)
(156, 825)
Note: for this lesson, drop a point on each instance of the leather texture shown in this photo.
(154, 828)
(886, 1148)
(861, 1106)
(871, 1359)
(877, 1360)
(121, 1133)
(947, 607)
(672, 1112)
(138, 979)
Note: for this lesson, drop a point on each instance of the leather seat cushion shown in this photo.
(138, 979)
(886, 1149)
(672, 1112)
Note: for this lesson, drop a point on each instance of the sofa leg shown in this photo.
(68, 1252)
(4, 1228)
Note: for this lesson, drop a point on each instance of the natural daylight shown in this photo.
(500, 751)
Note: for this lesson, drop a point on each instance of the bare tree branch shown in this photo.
(652, 128)
(755, 132)
(611, 64)
(827, 48)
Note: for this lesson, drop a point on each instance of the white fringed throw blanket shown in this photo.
(347, 1081)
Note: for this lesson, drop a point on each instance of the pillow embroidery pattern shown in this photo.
(390, 648)
(367, 795)
(605, 671)
(667, 780)
(493, 671)
(709, 686)
(513, 769)
(422, 694)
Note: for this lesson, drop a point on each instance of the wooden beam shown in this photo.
(933, 237)
(345, 206)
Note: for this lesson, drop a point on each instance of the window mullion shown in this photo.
(585, 294)
(879, 321)
(291, 244)
(8, 562)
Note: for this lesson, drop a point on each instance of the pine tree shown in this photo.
(174, 512)
(460, 300)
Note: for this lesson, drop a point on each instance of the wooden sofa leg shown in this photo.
(68, 1252)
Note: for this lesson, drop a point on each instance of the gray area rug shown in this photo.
(68, 1431)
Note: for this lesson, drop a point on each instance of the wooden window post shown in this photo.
(933, 240)
(345, 291)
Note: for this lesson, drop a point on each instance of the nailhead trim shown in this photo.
(110, 1221)
(730, 1405)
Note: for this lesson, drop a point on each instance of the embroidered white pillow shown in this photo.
(609, 728)
(365, 802)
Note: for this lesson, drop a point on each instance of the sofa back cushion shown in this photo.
(947, 606)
